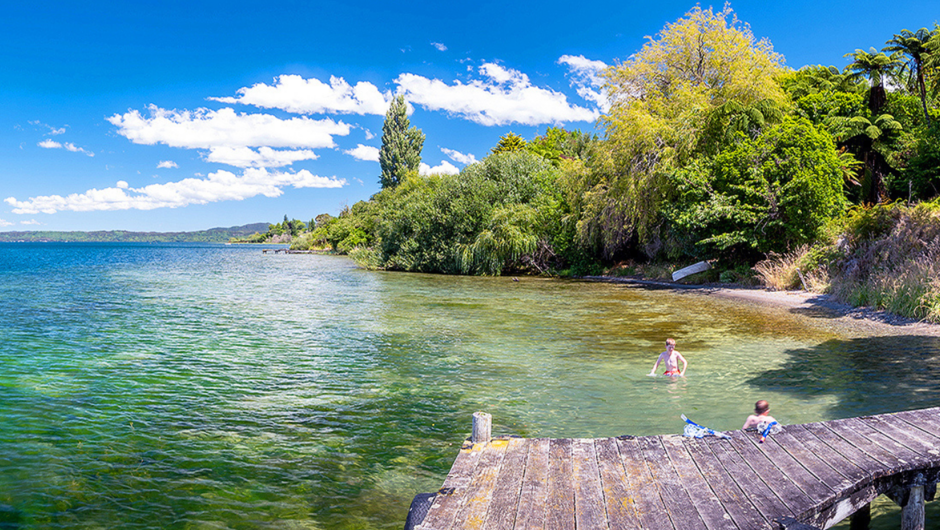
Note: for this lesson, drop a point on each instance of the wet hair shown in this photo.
(671, 342)
(761, 407)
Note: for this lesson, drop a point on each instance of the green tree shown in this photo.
(767, 194)
(876, 67)
(508, 143)
(913, 45)
(664, 98)
(401, 145)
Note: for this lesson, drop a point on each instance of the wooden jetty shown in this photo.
(808, 476)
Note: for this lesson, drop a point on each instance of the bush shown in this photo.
(764, 195)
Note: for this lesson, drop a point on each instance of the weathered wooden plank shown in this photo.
(618, 499)
(901, 432)
(448, 500)
(534, 492)
(480, 491)
(737, 504)
(850, 433)
(672, 490)
(776, 480)
(870, 466)
(792, 441)
(844, 466)
(749, 480)
(814, 489)
(707, 504)
(501, 512)
(906, 457)
(650, 508)
(590, 513)
(560, 514)
(927, 420)
(837, 511)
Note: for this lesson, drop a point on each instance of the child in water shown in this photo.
(765, 423)
(671, 359)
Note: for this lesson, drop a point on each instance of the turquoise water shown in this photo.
(211, 386)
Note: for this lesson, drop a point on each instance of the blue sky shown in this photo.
(171, 116)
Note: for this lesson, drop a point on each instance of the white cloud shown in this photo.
(71, 147)
(52, 130)
(30, 222)
(585, 77)
(52, 144)
(445, 168)
(205, 129)
(459, 157)
(505, 96)
(122, 184)
(6, 223)
(293, 93)
(219, 186)
(369, 134)
(364, 152)
(167, 164)
(263, 157)
(440, 47)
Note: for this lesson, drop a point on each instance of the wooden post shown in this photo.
(861, 519)
(482, 426)
(912, 514)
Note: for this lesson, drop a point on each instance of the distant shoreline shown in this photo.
(211, 235)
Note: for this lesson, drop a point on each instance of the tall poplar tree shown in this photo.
(401, 145)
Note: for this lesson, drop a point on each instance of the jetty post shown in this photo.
(482, 428)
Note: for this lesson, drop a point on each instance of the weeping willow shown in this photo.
(508, 238)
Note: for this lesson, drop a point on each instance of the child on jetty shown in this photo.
(671, 359)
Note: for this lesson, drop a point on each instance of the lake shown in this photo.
(152, 386)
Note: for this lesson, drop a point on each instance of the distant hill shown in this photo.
(212, 235)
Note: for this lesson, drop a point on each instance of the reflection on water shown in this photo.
(200, 386)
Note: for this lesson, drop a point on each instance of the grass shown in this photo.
(886, 256)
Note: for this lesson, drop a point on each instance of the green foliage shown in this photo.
(913, 47)
(557, 144)
(702, 74)
(509, 143)
(921, 180)
(767, 194)
(479, 222)
(401, 145)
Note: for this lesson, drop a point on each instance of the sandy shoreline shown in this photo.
(857, 320)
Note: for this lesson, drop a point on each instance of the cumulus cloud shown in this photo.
(440, 47)
(459, 157)
(445, 168)
(122, 184)
(219, 186)
(263, 157)
(30, 222)
(293, 93)
(504, 96)
(207, 129)
(364, 152)
(167, 164)
(586, 78)
(5, 223)
(68, 146)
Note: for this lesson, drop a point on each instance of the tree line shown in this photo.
(712, 149)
